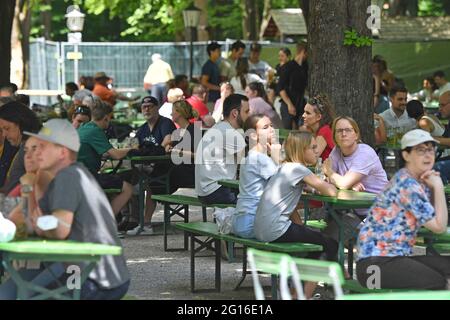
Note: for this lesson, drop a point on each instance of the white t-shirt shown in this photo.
(249, 77)
(260, 68)
(392, 121)
(279, 200)
(215, 158)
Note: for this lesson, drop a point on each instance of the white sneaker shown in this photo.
(146, 231)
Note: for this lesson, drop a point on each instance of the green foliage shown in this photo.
(352, 38)
(431, 8)
(225, 19)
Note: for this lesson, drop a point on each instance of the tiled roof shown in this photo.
(286, 22)
(414, 29)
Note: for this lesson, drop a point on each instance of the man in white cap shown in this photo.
(81, 208)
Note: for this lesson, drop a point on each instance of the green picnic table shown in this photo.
(230, 183)
(52, 251)
(345, 199)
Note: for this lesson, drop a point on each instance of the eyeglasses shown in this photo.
(346, 130)
(422, 151)
(83, 110)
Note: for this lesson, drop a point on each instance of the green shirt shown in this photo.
(94, 144)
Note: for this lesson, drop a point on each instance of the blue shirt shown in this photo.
(162, 128)
(255, 171)
(211, 70)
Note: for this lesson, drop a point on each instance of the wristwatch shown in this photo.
(26, 188)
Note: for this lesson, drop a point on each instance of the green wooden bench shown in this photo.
(182, 204)
(201, 229)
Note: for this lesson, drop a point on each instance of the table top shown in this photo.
(59, 247)
(150, 158)
(348, 198)
(439, 237)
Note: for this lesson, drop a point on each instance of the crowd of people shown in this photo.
(224, 127)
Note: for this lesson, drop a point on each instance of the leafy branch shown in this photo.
(352, 38)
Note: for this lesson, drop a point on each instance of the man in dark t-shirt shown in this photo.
(292, 86)
(211, 74)
(81, 211)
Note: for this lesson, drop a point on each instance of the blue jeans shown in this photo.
(444, 168)
(158, 91)
(223, 195)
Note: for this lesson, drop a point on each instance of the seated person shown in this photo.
(257, 100)
(414, 198)
(173, 95)
(396, 119)
(317, 118)
(256, 169)
(155, 132)
(94, 144)
(7, 153)
(183, 140)
(82, 114)
(277, 218)
(15, 118)
(220, 151)
(83, 215)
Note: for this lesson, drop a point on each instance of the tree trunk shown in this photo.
(265, 18)
(341, 72)
(6, 20)
(202, 30)
(250, 19)
(46, 17)
(25, 29)
(304, 5)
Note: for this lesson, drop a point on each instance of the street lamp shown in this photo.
(191, 16)
(75, 23)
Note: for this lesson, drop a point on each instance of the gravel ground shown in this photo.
(156, 274)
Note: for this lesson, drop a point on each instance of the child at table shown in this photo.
(282, 194)
(413, 198)
(256, 169)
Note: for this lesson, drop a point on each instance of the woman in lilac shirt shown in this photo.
(352, 164)
(258, 103)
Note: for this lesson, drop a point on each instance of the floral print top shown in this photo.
(394, 219)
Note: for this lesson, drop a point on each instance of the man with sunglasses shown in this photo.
(81, 115)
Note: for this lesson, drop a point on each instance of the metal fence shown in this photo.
(126, 62)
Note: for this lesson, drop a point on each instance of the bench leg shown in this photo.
(244, 268)
(192, 262)
(168, 214)
(205, 218)
(350, 257)
(274, 280)
(218, 248)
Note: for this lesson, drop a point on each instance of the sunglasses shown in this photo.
(83, 110)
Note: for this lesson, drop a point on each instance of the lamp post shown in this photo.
(191, 16)
(75, 23)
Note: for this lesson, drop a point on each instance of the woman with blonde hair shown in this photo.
(277, 218)
(183, 139)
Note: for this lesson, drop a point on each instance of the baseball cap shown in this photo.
(60, 132)
(414, 137)
(149, 99)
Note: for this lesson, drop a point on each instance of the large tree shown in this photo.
(341, 72)
(6, 20)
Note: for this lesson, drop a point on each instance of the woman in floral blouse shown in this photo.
(413, 198)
